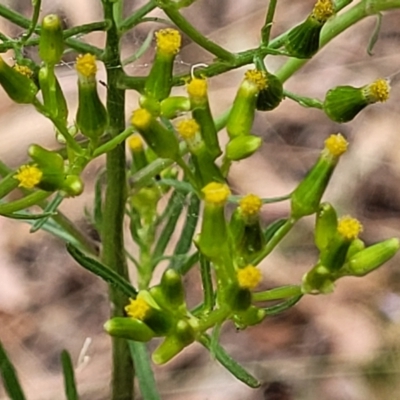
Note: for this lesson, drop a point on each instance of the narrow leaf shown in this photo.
(104, 272)
(69, 376)
(189, 263)
(278, 308)
(143, 370)
(9, 375)
(272, 228)
(51, 208)
(229, 363)
(206, 280)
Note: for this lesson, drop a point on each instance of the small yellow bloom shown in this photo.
(249, 277)
(28, 176)
(197, 87)
(258, 78)
(323, 10)
(24, 70)
(86, 65)
(137, 308)
(135, 143)
(216, 193)
(168, 41)
(188, 128)
(349, 227)
(250, 205)
(336, 144)
(141, 118)
(378, 90)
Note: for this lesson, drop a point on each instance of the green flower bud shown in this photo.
(172, 288)
(270, 97)
(356, 246)
(303, 40)
(370, 258)
(73, 185)
(242, 114)
(171, 107)
(53, 96)
(129, 328)
(159, 82)
(150, 104)
(318, 281)
(91, 117)
(161, 140)
(18, 87)
(325, 225)
(306, 197)
(252, 316)
(51, 42)
(343, 103)
(242, 147)
(136, 146)
(201, 112)
(46, 158)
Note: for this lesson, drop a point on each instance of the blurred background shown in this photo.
(343, 346)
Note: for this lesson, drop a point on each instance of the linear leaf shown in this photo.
(69, 376)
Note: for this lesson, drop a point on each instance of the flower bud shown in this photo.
(159, 81)
(252, 316)
(171, 107)
(46, 158)
(73, 185)
(343, 103)
(18, 87)
(303, 40)
(242, 147)
(51, 42)
(172, 288)
(161, 140)
(201, 112)
(318, 281)
(242, 114)
(136, 146)
(91, 116)
(370, 258)
(325, 225)
(129, 328)
(306, 197)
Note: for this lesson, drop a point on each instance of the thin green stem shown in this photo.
(26, 202)
(279, 293)
(337, 25)
(197, 37)
(266, 29)
(276, 238)
(304, 101)
(113, 143)
(114, 209)
(136, 17)
(34, 20)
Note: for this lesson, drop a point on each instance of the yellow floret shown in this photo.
(259, 78)
(197, 87)
(336, 144)
(216, 193)
(379, 90)
(23, 70)
(86, 65)
(141, 118)
(323, 10)
(28, 176)
(250, 205)
(349, 227)
(168, 41)
(249, 277)
(137, 308)
(135, 143)
(188, 128)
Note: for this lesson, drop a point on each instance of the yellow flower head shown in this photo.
(256, 77)
(28, 176)
(188, 128)
(250, 205)
(141, 118)
(336, 144)
(168, 41)
(349, 227)
(197, 87)
(137, 308)
(24, 70)
(135, 143)
(323, 10)
(216, 193)
(249, 277)
(378, 90)
(86, 65)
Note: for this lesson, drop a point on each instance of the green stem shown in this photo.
(114, 209)
(27, 201)
(136, 17)
(276, 238)
(277, 293)
(304, 101)
(34, 20)
(197, 37)
(266, 29)
(337, 25)
(113, 143)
